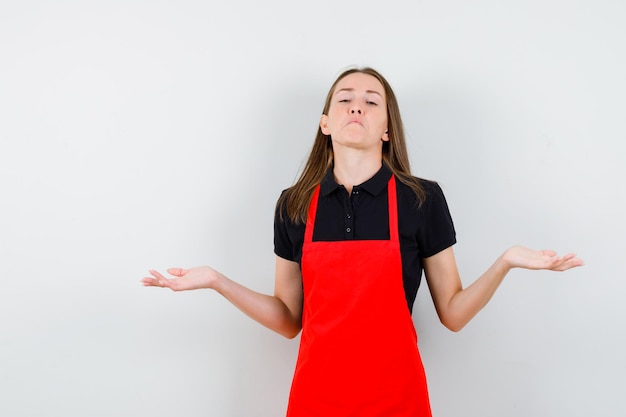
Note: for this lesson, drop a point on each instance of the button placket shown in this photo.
(349, 218)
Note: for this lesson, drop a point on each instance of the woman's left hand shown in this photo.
(522, 257)
(184, 279)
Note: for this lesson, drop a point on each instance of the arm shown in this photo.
(457, 306)
(281, 312)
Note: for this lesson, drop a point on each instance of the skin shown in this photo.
(357, 124)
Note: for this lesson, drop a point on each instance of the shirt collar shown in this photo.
(373, 186)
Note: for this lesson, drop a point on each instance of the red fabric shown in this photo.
(358, 350)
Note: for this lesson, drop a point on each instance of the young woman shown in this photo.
(352, 237)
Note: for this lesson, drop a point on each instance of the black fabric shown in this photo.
(424, 230)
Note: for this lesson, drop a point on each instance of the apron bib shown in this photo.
(358, 350)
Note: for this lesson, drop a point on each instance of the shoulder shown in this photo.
(432, 191)
(280, 211)
(430, 221)
(430, 186)
(288, 236)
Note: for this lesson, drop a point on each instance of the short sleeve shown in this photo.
(437, 229)
(288, 237)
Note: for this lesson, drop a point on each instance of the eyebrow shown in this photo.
(352, 89)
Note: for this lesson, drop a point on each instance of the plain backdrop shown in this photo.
(151, 134)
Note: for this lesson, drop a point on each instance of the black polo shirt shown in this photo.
(424, 230)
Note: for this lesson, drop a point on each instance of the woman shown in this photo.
(351, 238)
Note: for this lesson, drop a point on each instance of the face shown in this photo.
(357, 116)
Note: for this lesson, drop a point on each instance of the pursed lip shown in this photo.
(355, 120)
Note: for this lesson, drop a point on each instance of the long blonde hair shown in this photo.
(296, 199)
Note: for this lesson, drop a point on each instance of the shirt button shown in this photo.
(348, 216)
(348, 229)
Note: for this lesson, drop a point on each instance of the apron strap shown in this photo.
(393, 210)
(310, 219)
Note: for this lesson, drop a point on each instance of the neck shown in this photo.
(355, 168)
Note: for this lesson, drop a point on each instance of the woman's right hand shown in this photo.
(281, 312)
(184, 279)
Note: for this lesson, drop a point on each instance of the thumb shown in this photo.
(548, 252)
(177, 272)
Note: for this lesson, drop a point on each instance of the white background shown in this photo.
(149, 134)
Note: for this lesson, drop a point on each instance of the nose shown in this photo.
(355, 109)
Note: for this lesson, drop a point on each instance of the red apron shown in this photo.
(358, 350)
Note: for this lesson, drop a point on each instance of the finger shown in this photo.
(150, 282)
(570, 263)
(177, 272)
(560, 260)
(160, 280)
(157, 274)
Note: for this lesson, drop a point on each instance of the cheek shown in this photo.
(383, 123)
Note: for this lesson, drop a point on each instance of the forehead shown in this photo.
(360, 82)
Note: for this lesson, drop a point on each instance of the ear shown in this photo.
(324, 125)
(385, 137)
